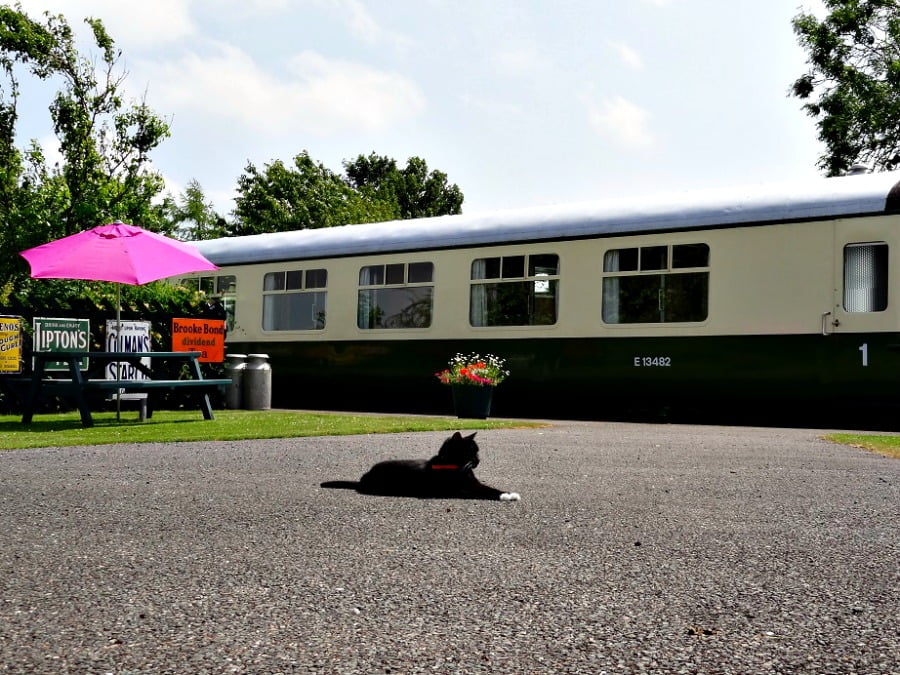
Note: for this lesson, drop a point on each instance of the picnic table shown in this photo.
(78, 383)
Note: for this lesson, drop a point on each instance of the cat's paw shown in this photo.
(510, 497)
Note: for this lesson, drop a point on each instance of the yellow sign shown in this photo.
(10, 344)
(206, 336)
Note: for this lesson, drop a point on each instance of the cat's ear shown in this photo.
(456, 436)
(470, 436)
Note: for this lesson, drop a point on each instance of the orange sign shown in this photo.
(206, 336)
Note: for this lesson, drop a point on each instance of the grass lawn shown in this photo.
(883, 445)
(168, 426)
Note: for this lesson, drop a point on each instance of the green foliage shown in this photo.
(413, 191)
(853, 82)
(280, 198)
(195, 217)
(883, 445)
(309, 195)
(101, 302)
(187, 425)
(105, 173)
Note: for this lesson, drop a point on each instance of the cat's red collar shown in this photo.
(453, 467)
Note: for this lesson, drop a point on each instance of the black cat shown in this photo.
(446, 475)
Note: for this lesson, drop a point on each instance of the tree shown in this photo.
(310, 195)
(280, 198)
(415, 192)
(105, 173)
(195, 217)
(853, 82)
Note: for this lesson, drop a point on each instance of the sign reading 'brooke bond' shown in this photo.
(206, 336)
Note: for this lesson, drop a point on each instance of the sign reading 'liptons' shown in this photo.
(206, 336)
(61, 335)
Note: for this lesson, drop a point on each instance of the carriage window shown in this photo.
(213, 286)
(654, 257)
(220, 289)
(690, 255)
(399, 295)
(295, 300)
(866, 277)
(656, 284)
(514, 290)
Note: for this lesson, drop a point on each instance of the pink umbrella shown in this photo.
(115, 252)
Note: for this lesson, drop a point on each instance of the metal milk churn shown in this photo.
(257, 382)
(234, 368)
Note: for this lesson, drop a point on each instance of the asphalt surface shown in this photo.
(635, 549)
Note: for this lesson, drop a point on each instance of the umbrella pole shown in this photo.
(118, 349)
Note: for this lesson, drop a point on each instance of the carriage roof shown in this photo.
(823, 198)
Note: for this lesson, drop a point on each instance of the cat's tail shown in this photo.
(340, 484)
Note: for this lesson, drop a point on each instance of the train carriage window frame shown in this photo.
(656, 284)
(220, 289)
(395, 296)
(865, 277)
(514, 290)
(295, 300)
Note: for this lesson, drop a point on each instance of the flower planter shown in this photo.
(471, 402)
(472, 378)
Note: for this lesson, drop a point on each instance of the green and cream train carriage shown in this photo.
(769, 298)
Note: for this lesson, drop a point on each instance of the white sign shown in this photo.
(133, 337)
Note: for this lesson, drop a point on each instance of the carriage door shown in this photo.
(861, 278)
(861, 349)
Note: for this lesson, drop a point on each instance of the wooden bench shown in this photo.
(136, 390)
(143, 385)
(142, 399)
(76, 385)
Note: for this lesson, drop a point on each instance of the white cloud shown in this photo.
(247, 7)
(135, 24)
(627, 55)
(495, 109)
(319, 95)
(364, 26)
(519, 61)
(352, 95)
(361, 24)
(623, 121)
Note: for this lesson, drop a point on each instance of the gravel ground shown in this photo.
(635, 549)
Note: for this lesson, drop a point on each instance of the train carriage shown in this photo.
(780, 298)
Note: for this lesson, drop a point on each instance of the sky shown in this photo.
(520, 102)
